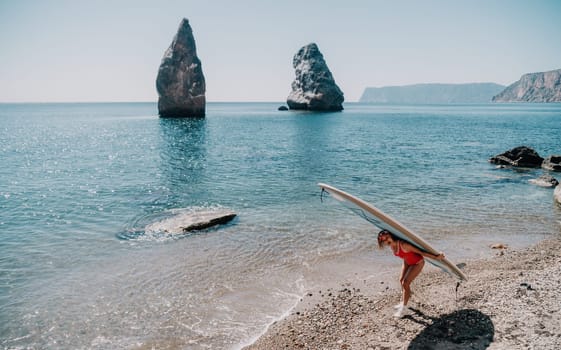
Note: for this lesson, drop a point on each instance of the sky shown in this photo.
(85, 51)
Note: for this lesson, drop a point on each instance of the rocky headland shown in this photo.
(533, 87)
(432, 93)
(313, 88)
(180, 82)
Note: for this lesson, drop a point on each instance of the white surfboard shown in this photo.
(383, 221)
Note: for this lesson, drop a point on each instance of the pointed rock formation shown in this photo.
(314, 87)
(180, 82)
(533, 87)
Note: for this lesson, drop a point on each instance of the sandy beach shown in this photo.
(511, 301)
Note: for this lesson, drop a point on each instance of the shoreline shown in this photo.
(509, 301)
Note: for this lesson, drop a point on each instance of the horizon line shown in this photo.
(83, 102)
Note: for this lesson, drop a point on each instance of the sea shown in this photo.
(79, 183)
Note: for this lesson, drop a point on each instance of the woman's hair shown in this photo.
(385, 233)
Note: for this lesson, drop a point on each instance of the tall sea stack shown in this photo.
(180, 82)
(314, 87)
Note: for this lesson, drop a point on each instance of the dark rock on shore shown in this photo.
(180, 82)
(552, 163)
(533, 87)
(314, 87)
(518, 157)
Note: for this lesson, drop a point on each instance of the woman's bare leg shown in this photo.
(412, 272)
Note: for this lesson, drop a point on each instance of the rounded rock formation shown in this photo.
(518, 157)
(314, 87)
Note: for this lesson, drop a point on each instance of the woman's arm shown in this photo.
(407, 247)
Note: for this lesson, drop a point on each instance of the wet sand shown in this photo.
(511, 301)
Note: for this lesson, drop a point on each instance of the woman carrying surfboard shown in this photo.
(413, 263)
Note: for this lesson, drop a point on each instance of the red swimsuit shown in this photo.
(410, 258)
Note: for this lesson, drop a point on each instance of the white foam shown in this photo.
(273, 319)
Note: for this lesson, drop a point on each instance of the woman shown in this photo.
(413, 263)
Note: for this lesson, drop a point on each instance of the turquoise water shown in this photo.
(79, 182)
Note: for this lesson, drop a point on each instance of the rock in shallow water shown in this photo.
(518, 157)
(545, 181)
(187, 221)
(552, 163)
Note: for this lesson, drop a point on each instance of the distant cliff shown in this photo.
(432, 93)
(533, 87)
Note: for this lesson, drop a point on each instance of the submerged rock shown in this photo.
(545, 181)
(557, 194)
(186, 221)
(518, 157)
(552, 163)
(180, 82)
(314, 87)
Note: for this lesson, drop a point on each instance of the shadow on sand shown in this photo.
(462, 329)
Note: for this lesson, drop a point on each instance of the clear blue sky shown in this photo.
(57, 50)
